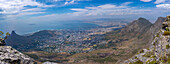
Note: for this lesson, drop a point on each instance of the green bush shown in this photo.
(138, 62)
(166, 33)
(157, 35)
(168, 61)
(167, 46)
(153, 56)
(1, 34)
(163, 59)
(142, 51)
(136, 57)
(167, 29)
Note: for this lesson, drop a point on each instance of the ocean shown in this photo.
(26, 28)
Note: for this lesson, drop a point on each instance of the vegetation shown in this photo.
(138, 62)
(154, 44)
(153, 62)
(147, 61)
(168, 61)
(153, 56)
(167, 46)
(142, 51)
(157, 35)
(166, 33)
(163, 59)
(167, 29)
(3, 38)
(136, 57)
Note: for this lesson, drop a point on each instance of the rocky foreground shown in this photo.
(8, 55)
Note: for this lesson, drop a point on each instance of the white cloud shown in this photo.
(15, 6)
(159, 1)
(79, 9)
(33, 9)
(167, 6)
(146, 0)
(67, 2)
(126, 3)
(107, 10)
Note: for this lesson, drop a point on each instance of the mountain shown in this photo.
(158, 52)
(17, 41)
(122, 44)
(136, 28)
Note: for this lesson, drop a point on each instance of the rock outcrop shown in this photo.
(8, 55)
(158, 52)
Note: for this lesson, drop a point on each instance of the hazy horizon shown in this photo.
(17, 14)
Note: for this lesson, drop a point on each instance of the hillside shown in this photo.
(122, 44)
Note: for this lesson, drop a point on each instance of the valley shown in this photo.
(107, 44)
(57, 45)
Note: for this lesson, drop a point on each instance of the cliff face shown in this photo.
(8, 55)
(158, 52)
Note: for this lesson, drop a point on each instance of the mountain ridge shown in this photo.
(158, 52)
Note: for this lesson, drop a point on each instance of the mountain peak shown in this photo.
(141, 18)
(143, 21)
(138, 27)
(13, 32)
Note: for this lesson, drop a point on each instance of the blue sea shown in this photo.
(26, 28)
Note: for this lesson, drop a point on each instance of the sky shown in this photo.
(61, 10)
(39, 11)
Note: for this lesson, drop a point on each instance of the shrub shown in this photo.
(167, 46)
(136, 57)
(153, 56)
(157, 35)
(168, 60)
(142, 51)
(166, 33)
(163, 59)
(138, 62)
(147, 61)
(1, 34)
(167, 29)
(154, 44)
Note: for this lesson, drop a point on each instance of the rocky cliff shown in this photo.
(158, 52)
(8, 55)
